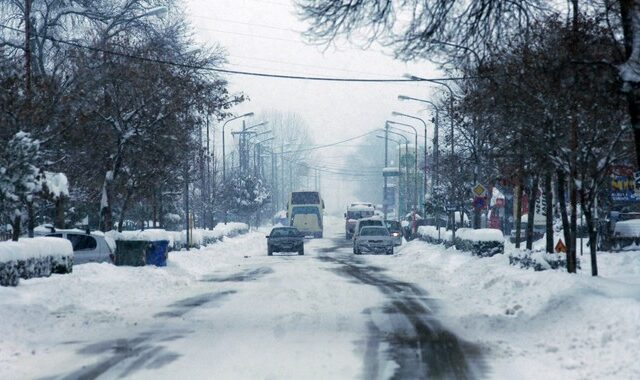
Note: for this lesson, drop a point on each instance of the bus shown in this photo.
(304, 211)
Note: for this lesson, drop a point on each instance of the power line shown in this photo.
(238, 72)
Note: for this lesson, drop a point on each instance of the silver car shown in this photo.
(373, 239)
(88, 248)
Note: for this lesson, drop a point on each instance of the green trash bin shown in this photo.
(131, 252)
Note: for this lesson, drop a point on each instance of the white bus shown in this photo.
(304, 211)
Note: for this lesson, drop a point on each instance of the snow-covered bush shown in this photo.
(431, 235)
(538, 261)
(36, 257)
(178, 239)
(483, 242)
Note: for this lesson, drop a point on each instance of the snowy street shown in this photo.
(230, 311)
(241, 315)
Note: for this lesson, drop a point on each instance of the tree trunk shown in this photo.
(533, 192)
(628, 11)
(59, 219)
(17, 220)
(548, 196)
(125, 207)
(593, 236)
(562, 202)
(154, 209)
(31, 221)
(518, 220)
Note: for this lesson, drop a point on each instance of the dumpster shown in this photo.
(157, 253)
(131, 252)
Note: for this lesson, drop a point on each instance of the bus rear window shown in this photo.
(305, 198)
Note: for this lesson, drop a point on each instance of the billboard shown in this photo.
(625, 185)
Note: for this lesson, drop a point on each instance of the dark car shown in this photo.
(285, 239)
(395, 229)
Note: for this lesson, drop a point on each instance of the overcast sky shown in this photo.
(264, 36)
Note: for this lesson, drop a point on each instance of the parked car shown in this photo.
(373, 239)
(92, 247)
(285, 239)
(395, 229)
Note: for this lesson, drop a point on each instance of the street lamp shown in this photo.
(415, 131)
(224, 163)
(413, 77)
(434, 172)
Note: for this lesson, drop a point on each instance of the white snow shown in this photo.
(481, 234)
(534, 325)
(628, 228)
(301, 318)
(28, 248)
(432, 232)
(57, 184)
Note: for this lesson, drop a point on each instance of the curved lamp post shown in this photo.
(224, 163)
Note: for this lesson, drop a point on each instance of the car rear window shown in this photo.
(284, 232)
(82, 242)
(374, 231)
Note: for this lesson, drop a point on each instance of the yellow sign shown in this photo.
(479, 190)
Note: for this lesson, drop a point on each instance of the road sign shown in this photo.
(479, 190)
(479, 202)
(560, 247)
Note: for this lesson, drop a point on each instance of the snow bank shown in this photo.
(178, 239)
(532, 325)
(34, 257)
(481, 234)
(430, 234)
(34, 248)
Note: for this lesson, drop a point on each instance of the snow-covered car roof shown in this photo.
(360, 207)
(627, 228)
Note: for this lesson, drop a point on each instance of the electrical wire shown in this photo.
(238, 72)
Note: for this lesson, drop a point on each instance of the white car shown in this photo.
(93, 247)
(373, 239)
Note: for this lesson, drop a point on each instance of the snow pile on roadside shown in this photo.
(577, 325)
(37, 247)
(34, 257)
(178, 239)
(482, 234)
(431, 232)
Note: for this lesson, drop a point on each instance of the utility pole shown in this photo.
(386, 160)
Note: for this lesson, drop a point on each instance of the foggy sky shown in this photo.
(264, 36)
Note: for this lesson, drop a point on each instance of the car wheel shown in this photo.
(390, 251)
(301, 252)
(269, 252)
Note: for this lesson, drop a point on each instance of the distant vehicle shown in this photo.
(395, 229)
(281, 218)
(285, 239)
(305, 212)
(373, 239)
(619, 231)
(539, 228)
(367, 222)
(91, 247)
(355, 212)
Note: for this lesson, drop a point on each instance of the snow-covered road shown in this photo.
(229, 311)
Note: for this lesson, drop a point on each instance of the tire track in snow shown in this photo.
(405, 330)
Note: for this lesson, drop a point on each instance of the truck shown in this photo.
(355, 212)
(305, 211)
